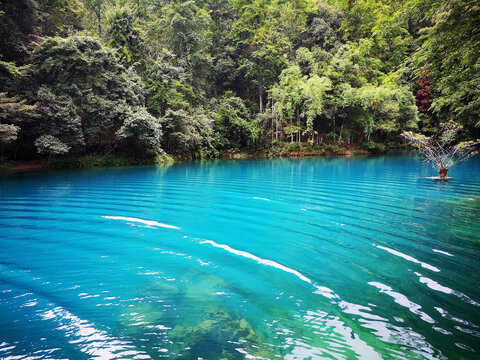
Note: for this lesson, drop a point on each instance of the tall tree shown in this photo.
(97, 10)
(124, 35)
(24, 21)
(92, 103)
(450, 52)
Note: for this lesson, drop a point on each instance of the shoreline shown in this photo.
(101, 161)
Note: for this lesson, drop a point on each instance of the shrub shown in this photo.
(50, 145)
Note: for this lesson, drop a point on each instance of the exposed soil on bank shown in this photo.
(32, 165)
(22, 166)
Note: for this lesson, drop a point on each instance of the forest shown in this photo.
(195, 79)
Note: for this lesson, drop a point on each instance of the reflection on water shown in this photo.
(264, 259)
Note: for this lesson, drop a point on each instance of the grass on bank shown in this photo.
(287, 149)
(89, 161)
(278, 149)
(81, 162)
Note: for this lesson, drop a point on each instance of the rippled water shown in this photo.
(290, 259)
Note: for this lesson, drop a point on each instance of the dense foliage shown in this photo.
(198, 78)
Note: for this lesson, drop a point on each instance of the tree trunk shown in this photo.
(273, 119)
(298, 124)
(260, 94)
(99, 22)
(333, 129)
(276, 126)
(442, 173)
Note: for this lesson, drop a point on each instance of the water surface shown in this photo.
(276, 259)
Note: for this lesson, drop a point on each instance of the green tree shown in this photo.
(287, 97)
(313, 92)
(15, 117)
(8, 134)
(184, 30)
(235, 127)
(189, 135)
(125, 36)
(268, 29)
(50, 145)
(23, 21)
(449, 51)
(88, 96)
(140, 133)
(96, 9)
(167, 86)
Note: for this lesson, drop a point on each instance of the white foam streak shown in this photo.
(258, 259)
(403, 301)
(408, 258)
(363, 311)
(141, 221)
(261, 198)
(432, 284)
(442, 252)
(326, 292)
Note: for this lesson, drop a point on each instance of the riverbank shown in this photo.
(278, 150)
(298, 150)
(80, 162)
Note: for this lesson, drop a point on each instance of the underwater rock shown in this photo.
(221, 335)
(160, 289)
(189, 322)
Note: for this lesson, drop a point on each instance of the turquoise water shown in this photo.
(288, 259)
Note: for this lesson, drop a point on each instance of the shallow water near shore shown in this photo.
(275, 259)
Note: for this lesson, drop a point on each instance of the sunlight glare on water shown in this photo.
(269, 259)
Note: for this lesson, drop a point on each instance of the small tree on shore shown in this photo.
(440, 149)
(8, 134)
(50, 145)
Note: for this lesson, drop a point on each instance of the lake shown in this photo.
(321, 258)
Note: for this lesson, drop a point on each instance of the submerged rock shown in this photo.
(221, 335)
(189, 323)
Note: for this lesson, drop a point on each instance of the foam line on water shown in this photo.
(141, 221)
(442, 252)
(258, 259)
(345, 306)
(408, 258)
(432, 284)
(403, 301)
